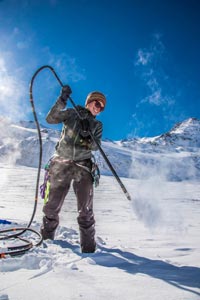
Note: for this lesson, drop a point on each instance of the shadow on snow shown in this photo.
(185, 277)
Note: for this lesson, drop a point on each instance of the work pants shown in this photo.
(62, 173)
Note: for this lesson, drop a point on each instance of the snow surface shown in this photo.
(147, 248)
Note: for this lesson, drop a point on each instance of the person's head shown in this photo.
(95, 102)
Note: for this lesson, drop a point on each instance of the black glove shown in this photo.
(65, 93)
(85, 127)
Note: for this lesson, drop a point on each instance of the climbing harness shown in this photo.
(45, 187)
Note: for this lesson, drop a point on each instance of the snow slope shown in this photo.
(147, 248)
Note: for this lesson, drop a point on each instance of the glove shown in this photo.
(65, 93)
(85, 127)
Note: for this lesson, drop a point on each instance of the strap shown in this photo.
(83, 167)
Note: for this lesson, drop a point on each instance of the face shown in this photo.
(95, 107)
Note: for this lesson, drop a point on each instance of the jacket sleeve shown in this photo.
(97, 135)
(57, 114)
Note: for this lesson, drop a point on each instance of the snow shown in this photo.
(147, 248)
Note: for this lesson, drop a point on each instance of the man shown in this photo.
(72, 163)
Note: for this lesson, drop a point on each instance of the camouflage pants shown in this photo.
(62, 173)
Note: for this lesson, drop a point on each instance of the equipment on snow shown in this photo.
(5, 222)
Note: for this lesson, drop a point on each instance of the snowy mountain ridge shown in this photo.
(184, 134)
(174, 155)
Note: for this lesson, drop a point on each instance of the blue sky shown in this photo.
(143, 55)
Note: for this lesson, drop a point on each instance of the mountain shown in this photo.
(174, 155)
(185, 134)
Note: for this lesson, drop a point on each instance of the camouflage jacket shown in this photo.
(72, 146)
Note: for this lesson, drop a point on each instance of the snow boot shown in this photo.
(47, 235)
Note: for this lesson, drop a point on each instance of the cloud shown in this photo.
(22, 40)
(17, 39)
(149, 64)
(12, 91)
(67, 65)
(147, 56)
(143, 57)
(13, 107)
(158, 104)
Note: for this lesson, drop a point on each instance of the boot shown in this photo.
(47, 235)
